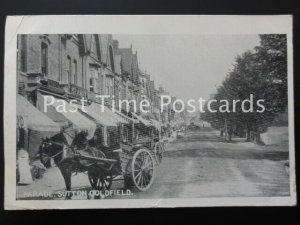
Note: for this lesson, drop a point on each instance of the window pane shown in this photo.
(44, 58)
(23, 53)
(75, 72)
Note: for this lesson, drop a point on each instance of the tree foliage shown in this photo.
(261, 72)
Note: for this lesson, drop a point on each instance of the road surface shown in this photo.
(201, 164)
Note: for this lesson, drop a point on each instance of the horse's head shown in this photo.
(45, 151)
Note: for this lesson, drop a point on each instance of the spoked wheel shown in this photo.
(142, 169)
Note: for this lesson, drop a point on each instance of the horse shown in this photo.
(65, 158)
(57, 148)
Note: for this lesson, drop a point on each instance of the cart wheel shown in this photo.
(142, 169)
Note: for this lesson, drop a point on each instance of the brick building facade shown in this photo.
(85, 65)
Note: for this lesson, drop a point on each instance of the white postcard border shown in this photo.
(193, 24)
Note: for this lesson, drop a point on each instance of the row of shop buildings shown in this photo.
(80, 66)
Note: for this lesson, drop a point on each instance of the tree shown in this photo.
(261, 72)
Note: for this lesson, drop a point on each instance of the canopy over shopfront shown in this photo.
(156, 124)
(107, 114)
(104, 118)
(127, 118)
(78, 120)
(33, 118)
(142, 120)
(119, 117)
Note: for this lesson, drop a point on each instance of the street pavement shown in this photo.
(200, 164)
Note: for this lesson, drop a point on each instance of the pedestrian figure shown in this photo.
(24, 167)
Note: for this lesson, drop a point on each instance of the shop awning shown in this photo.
(33, 118)
(142, 120)
(116, 116)
(127, 118)
(78, 120)
(108, 114)
(156, 124)
(104, 118)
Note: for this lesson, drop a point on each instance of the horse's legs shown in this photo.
(66, 172)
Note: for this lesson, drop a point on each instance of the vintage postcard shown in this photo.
(148, 111)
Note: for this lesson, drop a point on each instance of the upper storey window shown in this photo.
(44, 59)
(111, 58)
(95, 47)
(23, 53)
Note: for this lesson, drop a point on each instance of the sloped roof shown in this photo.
(126, 61)
(105, 41)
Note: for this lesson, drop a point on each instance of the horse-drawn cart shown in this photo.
(135, 164)
(131, 154)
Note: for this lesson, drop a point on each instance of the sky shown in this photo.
(188, 66)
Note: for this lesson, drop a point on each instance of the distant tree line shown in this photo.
(261, 72)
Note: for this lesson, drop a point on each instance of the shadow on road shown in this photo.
(228, 153)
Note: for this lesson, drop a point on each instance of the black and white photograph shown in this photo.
(146, 115)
